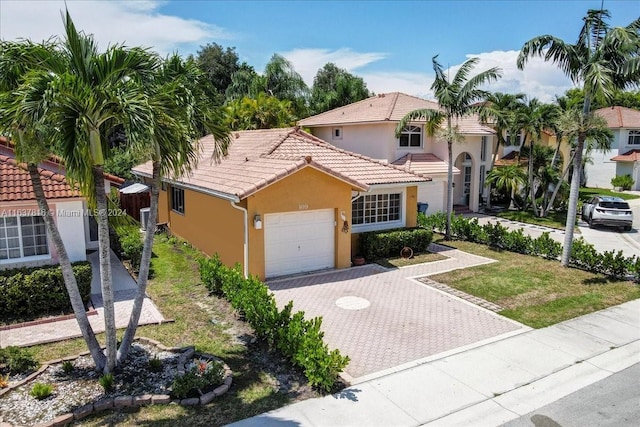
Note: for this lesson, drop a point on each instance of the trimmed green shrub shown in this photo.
(132, 244)
(298, 339)
(389, 243)
(107, 382)
(28, 293)
(623, 181)
(17, 360)
(544, 246)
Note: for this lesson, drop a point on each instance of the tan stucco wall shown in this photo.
(163, 206)
(210, 224)
(307, 189)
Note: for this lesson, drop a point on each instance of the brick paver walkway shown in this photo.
(405, 321)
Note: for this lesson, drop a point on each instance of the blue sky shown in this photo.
(388, 43)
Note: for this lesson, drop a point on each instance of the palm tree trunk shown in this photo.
(573, 203)
(145, 263)
(532, 190)
(67, 271)
(105, 268)
(447, 234)
(493, 161)
(575, 191)
(555, 190)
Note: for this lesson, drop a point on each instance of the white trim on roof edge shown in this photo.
(219, 194)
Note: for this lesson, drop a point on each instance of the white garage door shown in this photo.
(295, 242)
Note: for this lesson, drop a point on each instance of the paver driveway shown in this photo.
(384, 318)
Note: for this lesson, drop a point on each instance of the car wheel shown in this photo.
(590, 221)
(627, 228)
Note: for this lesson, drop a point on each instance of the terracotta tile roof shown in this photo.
(387, 107)
(511, 159)
(629, 156)
(620, 117)
(424, 163)
(259, 158)
(15, 183)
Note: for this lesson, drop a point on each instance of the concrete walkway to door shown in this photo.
(385, 320)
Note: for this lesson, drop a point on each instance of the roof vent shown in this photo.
(237, 135)
(307, 159)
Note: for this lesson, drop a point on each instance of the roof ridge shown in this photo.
(392, 106)
(338, 108)
(277, 142)
(619, 113)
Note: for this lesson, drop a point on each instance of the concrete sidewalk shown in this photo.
(483, 386)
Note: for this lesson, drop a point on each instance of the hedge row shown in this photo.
(388, 243)
(27, 293)
(298, 339)
(131, 244)
(583, 255)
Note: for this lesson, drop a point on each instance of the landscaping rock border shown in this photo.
(131, 401)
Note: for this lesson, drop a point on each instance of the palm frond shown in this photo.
(433, 118)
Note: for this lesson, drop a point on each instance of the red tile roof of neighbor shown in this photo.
(424, 163)
(620, 117)
(259, 158)
(629, 156)
(15, 182)
(389, 107)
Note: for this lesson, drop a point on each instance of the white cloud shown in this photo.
(135, 23)
(307, 62)
(539, 79)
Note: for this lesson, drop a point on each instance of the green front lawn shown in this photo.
(535, 291)
(416, 259)
(587, 193)
(212, 326)
(552, 220)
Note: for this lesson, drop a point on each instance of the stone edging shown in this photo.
(126, 401)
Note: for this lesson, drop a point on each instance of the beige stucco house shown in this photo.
(368, 127)
(624, 156)
(284, 202)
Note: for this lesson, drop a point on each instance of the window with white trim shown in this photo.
(22, 237)
(634, 137)
(376, 208)
(411, 137)
(177, 199)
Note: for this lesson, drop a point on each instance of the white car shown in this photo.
(609, 211)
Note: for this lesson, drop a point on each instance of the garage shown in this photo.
(297, 242)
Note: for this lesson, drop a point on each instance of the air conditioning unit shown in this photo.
(144, 217)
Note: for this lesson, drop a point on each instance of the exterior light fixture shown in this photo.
(257, 222)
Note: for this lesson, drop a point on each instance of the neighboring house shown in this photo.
(283, 202)
(368, 127)
(624, 156)
(24, 241)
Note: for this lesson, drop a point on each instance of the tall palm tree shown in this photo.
(457, 97)
(533, 118)
(85, 101)
(179, 111)
(500, 112)
(20, 109)
(603, 59)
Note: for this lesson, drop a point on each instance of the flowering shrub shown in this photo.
(201, 377)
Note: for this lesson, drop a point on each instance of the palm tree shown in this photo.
(508, 179)
(499, 111)
(457, 97)
(533, 118)
(20, 109)
(179, 111)
(602, 60)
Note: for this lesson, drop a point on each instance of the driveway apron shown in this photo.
(385, 320)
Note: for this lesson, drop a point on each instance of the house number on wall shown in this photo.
(303, 206)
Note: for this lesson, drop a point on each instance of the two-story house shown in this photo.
(368, 127)
(624, 156)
